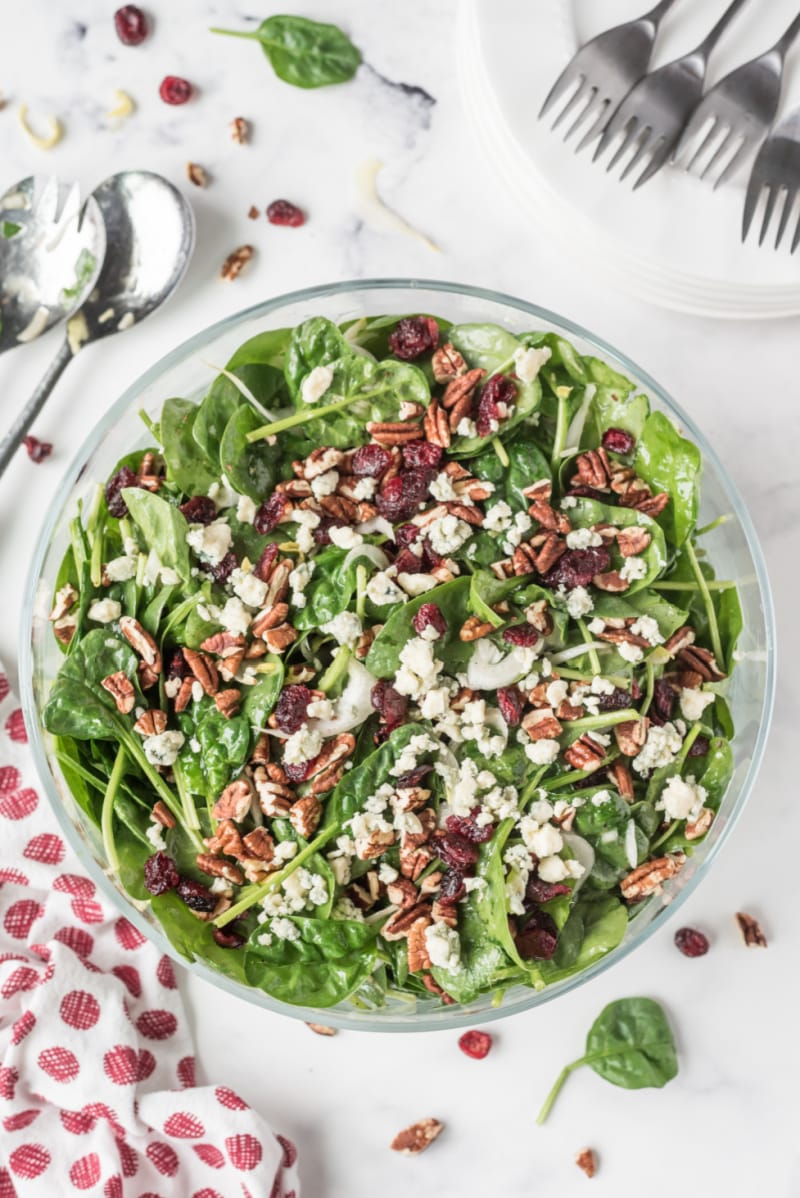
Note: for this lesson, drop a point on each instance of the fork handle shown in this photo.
(13, 438)
(705, 47)
(785, 43)
(656, 15)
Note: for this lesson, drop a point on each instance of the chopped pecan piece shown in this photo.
(259, 844)
(397, 925)
(184, 695)
(680, 640)
(223, 644)
(541, 724)
(329, 764)
(414, 861)
(320, 461)
(751, 930)
(151, 723)
(162, 815)
(390, 433)
(437, 425)
(447, 363)
(196, 174)
(236, 261)
(427, 819)
(594, 469)
(474, 628)
(401, 893)
(65, 600)
(269, 618)
(218, 867)
(416, 1138)
(235, 800)
(305, 815)
(702, 661)
(444, 913)
(228, 702)
(64, 629)
(375, 845)
(275, 798)
(622, 778)
(120, 687)
(418, 956)
(240, 130)
(631, 735)
(644, 502)
(611, 581)
(698, 827)
(411, 798)
(321, 1029)
(647, 878)
(141, 642)
(279, 639)
(227, 840)
(463, 386)
(633, 540)
(584, 754)
(587, 1161)
(203, 669)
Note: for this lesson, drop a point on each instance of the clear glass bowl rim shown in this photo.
(338, 1018)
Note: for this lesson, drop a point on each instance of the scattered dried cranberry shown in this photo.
(691, 942)
(429, 616)
(196, 895)
(405, 535)
(115, 485)
(664, 699)
(290, 711)
(538, 891)
(130, 24)
(298, 772)
(475, 1044)
(577, 568)
(282, 212)
(400, 497)
(618, 440)
(221, 571)
(455, 849)
(700, 747)
(509, 700)
(270, 514)
(37, 450)
(178, 665)
(538, 940)
(413, 777)
(583, 492)
(499, 389)
(451, 887)
(370, 461)
(468, 827)
(422, 453)
(524, 635)
(199, 509)
(616, 701)
(413, 337)
(228, 939)
(160, 873)
(389, 703)
(175, 90)
(264, 565)
(322, 533)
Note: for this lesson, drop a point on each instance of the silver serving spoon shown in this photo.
(150, 234)
(51, 253)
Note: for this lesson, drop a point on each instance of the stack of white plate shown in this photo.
(675, 242)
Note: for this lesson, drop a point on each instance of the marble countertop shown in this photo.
(727, 1124)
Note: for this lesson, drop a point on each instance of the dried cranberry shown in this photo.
(389, 703)
(538, 940)
(499, 389)
(538, 891)
(405, 535)
(178, 665)
(509, 700)
(299, 771)
(663, 705)
(400, 497)
(199, 509)
(468, 827)
(429, 616)
(691, 942)
(160, 873)
(475, 1044)
(451, 887)
(196, 895)
(264, 565)
(37, 450)
(524, 635)
(455, 849)
(422, 453)
(322, 532)
(115, 485)
(130, 24)
(290, 711)
(577, 568)
(221, 571)
(270, 514)
(370, 461)
(282, 212)
(430, 558)
(175, 90)
(583, 492)
(636, 691)
(700, 747)
(407, 562)
(618, 440)
(228, 939)
(413, 337)
(413, 777)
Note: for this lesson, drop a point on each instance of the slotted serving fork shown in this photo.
(603, 71)
(739, 109)
(654, 112)
(776, 169)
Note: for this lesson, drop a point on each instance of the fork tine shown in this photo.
(625, 144)
(754, 187)
(596, 128)
(661, 152)
(772, 196)
(588, 112)
(560, 88)
(719, 153)
(704, 144)
(645, 141)
(734, 162)
(796, 238)
(791, 196)
(573, 100)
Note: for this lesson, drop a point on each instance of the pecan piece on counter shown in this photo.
(447, 363)
(151, 723)
(417, 1137)
(647, 878)
(751, 930)
(235, 800)
(321, 1029)
(203, 669)
(305, 814)
(196, 174)
(120, 687)
(240, 130)
(236, 261)
(587, 1161)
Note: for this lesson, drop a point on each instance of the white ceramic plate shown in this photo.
(674, 242)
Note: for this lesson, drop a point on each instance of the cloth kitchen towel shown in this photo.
(97, 1083)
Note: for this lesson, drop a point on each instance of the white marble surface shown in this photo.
(728, 1124)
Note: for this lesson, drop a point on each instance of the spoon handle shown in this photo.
(13, 438)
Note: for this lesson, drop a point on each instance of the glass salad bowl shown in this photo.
(184, 372)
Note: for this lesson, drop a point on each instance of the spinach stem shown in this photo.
(361, 591)
(532, 787)
(581, 676)
(561, 434)
(553, 1095)
(691, 737)
(664, 836)
(107, 812)
(702, 582)
(605, 721)
(149, 424)
(574, 776)
(713, 584)
(720, 520)
(336, 670)
(98, 545)
(250, 35)
(254, 894)
(187, 802)
(651, 684)
(279, 426)
(500, 450)
(163, 791)
(594, 660)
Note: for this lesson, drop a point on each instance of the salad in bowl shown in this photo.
(395, 665)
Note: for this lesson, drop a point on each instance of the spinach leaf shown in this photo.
(315, 342)
(260, 698)
(527, 464)
(302, 52)
(78, 706)
(213, 415)
(593, 929)
(163, 528)
(193, 939)
(363, 780)
(330, 589)
(588, 512)
(224, 745)
(630, 1044)
(331, 958)
(187, 464)
(492, 348)
(251, 468)
(668, 462)
(611, 409)
(451, 598)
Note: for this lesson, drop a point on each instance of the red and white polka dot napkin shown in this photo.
(97, 1081)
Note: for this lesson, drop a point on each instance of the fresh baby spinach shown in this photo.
(302, 52)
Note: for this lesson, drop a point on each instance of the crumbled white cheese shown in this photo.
(518, 860)
(387, 873)
(164, 748)
(364, 825)
(498, 517)
(303, 745)
(284, 929)
(546, 842)
(477, 724)
(579, 602)
(104, 611)
(442, 488)
(345, 628)
(647, 627)
(467, 427)
(417, 584)
(234, 617)
(435, 703)
(364, 489)
(251, 590)
(471, 884)
(633, 568)
(325, 484)
(210, 541)
(522, 524)
(528, 362)
(661, 748)
(443, 945)
(694, 702)
(555, 869)
(222, 493)
(596, 626)
(600, 685)
(542, 752)
(682, 798)
(557, 692)
(306, 522)
(299, 580)
(447, 534)
(501, 802)
(155, 834)
(631, 653)
(382, 590)
(583, 538)
(320, 709)
(569, 501)
(316, 384)
(285, 851)
(419, 669)
(342, 535)
(120, 569)
(246, 510)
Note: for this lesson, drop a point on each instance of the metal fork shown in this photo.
(603, 72)
(776, 168)
(740, 109)
(656, 109)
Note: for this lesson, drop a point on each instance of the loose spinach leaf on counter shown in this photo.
(302, 52)
(630, 1044)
